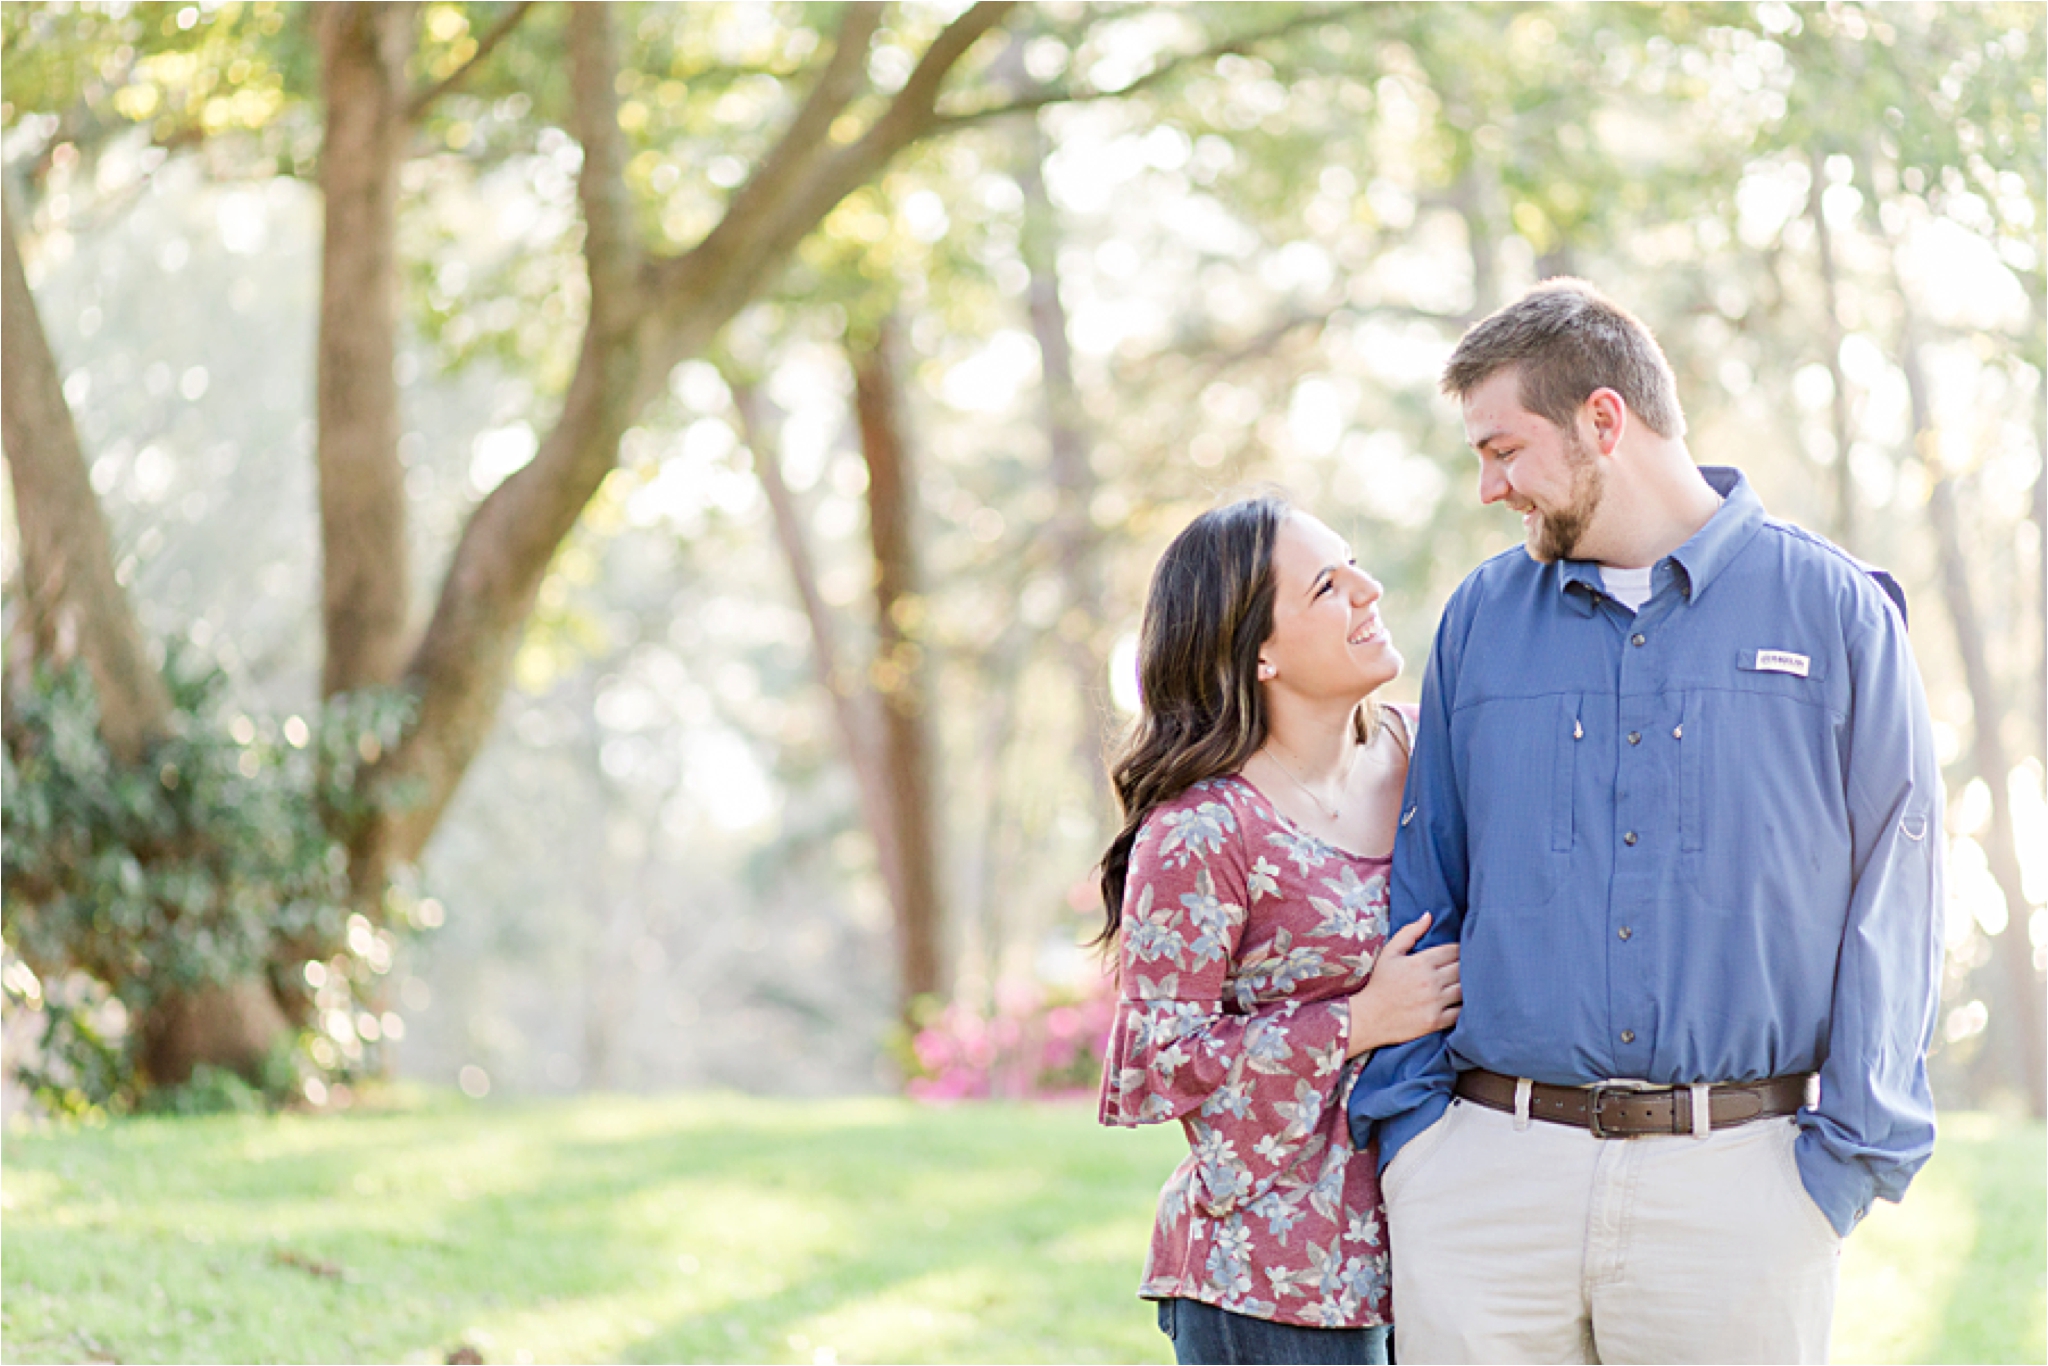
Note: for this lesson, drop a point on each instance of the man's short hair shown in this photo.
(1567, 339)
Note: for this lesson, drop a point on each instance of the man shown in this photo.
(1675, 793)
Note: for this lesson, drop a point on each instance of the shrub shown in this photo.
(212, 861)
(1036, 1042)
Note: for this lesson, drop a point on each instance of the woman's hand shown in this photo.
(1408, 994)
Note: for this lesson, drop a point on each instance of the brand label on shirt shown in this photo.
(1780, 662)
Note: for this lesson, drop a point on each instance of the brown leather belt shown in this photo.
(1623, 1111)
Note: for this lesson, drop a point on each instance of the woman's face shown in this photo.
(1328, 642)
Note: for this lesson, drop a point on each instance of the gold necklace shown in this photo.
(1329, 812)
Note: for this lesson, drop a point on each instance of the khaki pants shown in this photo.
(1535, 1242)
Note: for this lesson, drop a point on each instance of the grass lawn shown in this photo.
(715, 1228)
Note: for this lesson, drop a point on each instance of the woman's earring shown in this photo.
(1266, 671)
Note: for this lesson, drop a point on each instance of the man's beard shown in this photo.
(1557, 532)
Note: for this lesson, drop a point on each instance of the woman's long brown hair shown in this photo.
(1201, 713)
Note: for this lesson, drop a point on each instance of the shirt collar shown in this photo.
(1699, 559)
(1726, 532)
(1581, 584)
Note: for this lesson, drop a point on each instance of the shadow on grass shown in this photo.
(730, 1229)
(944, 1243)
(712, 1228)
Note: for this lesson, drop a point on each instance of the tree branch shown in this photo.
(707, 284)
(1053, 95)
(611, 250)
(424, 99)
(915, 103)
(462, 663)
(910, 116)
(808, 133)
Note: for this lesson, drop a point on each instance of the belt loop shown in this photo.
(1523, 1088)
(1702, 1119)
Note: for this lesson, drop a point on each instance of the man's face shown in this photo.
(1548, 474)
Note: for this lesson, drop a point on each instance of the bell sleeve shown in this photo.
(1251, 1081)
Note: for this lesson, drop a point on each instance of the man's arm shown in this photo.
(1404, 1087)
(1874, 1126)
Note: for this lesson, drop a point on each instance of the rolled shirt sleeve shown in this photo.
(1403, 1088)
(1874, 1125)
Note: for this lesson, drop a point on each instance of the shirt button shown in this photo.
(1625, 932)
(1628, 1036)
(1635, 737)
(1629, 838)
(1637, 639)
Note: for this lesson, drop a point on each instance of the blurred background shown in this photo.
(554, 549)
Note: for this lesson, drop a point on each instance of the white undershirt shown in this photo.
(1629, 587)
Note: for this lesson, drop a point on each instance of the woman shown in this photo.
(1247, 894)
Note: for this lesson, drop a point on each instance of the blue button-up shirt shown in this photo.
(1700, 842)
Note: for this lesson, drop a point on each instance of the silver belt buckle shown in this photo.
(1598, 1093)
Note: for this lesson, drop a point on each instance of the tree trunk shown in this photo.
(1071, 535)
(853, 704)
(363, 48)
(901, 671)
(2039, 681)
(72, 597)
(2011, 946)
(1474, 197)
(235, 1026)
(1844, 528)
(989, 880)
(365, 578)
(2037, 512)
(616, 921)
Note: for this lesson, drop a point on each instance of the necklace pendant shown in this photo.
(1329, 812)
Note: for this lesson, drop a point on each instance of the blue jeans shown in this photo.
(1204, 1334)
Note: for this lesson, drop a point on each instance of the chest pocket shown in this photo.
(1520, 758)
(1748, 699)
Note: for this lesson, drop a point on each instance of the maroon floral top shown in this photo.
(1242, 938)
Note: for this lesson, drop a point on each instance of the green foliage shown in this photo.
(213, 861)
(718, 1228)
(209, 1091)
(81, 1066)
(178, 73)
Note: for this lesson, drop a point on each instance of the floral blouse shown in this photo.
(1242, 937)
